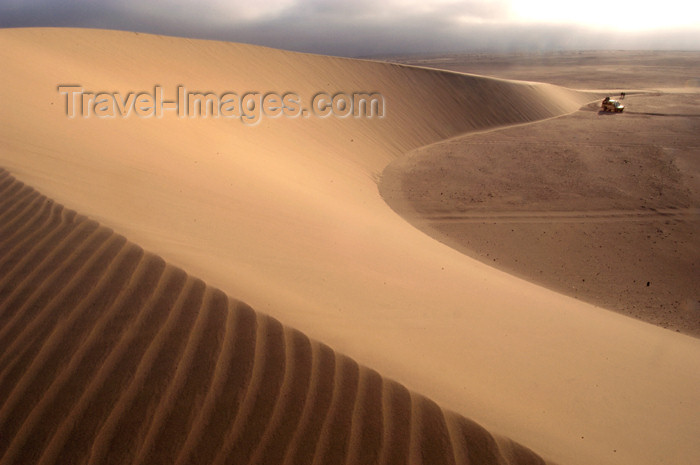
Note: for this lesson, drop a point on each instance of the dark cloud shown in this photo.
(341, 27)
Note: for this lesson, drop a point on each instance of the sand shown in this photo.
(112, 356)
(286, 216)
(602, 207)
(607, 70)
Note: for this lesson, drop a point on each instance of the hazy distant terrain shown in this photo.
(605, 70)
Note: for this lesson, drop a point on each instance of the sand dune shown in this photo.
(285, 216)
(110, 355)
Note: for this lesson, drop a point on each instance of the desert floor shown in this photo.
(607, 70)
(199, 290)
(604, 207)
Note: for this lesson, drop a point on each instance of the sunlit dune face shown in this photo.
(621, 15)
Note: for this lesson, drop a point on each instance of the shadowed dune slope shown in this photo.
(110, 355)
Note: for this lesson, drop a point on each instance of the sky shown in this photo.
(365, 28)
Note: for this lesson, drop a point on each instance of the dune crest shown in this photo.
(110, 355)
